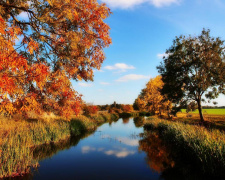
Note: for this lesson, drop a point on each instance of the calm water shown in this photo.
(114, 151)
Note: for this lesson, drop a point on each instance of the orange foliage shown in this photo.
(151, 99)
(158, 155)
(89, 109)
(65, 42)
(127, 108)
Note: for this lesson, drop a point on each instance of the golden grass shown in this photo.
(206, 146)
(18, 136)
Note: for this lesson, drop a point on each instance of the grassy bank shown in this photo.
(205, 147)
(18, 137)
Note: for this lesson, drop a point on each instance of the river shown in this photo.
(115, 150)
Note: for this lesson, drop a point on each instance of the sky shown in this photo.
(141, 31)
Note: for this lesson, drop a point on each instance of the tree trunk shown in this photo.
(200, 110)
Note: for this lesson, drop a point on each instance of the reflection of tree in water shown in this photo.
(139, 121)
(126, 120)
(48, 150)
(158, 155)
(168, 161)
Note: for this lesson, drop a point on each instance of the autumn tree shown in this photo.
(151, 99)
(194, 68)
(127, 108)
(59, 41)
(136, 104)
(90, 109)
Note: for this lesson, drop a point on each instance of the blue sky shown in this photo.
(141, 31)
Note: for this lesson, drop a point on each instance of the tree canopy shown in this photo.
(151, 99)
(194, 67)
(56, 41)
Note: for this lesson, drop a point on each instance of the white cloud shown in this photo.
(120, 66)
(125, 4)
(128, 141)
(98, 70)
(104, 83)
(160, 56)
(132, 77)
(119, 153)
(85, 84)
(87, 149)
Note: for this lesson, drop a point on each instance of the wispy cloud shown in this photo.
(120, 153)
(104, 83)
(82, 84)
(98, 70)
(126, 4)
(160, 56)
(128, 141)
(121, 67)
(87, 149)
(132, 77)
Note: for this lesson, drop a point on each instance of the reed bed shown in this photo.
(18, 138)
(206, 147)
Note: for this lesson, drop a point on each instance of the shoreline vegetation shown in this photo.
(18, 138)
(21, 140)
(202, 147)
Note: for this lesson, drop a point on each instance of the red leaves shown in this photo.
(90, 109)
(127, 108)
(73, 32)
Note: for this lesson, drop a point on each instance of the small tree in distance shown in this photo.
(194, 67)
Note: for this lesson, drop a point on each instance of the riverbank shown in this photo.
(203, 147)
(19, 137)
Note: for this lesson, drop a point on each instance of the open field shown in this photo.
(207, 111)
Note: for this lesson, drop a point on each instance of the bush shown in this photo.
(88, 110)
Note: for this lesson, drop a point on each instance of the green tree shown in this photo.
(194, 67)
(192, 106)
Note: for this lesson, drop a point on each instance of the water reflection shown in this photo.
(126, 120)
(48, 150)
(158, 155)
(119, 152)
(111, 152)
(166, 160)
(139, 121)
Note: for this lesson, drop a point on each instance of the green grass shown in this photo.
(208, 111)
(206, 147)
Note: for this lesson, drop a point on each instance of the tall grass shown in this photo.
(16, 141)
(19, 137)
(206, 147)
